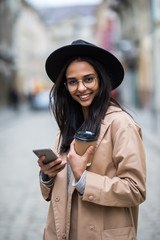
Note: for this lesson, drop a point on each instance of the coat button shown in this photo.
(91, 227)
(57, 199)
(90, 198)
(63, 236)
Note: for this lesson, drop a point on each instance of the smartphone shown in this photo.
(50, 155)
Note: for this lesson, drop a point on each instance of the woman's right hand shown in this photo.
(51, 169)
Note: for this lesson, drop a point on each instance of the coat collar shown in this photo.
(106, 122)
(113, 109)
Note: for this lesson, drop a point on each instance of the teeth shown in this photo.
(84, 96)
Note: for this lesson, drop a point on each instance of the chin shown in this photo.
(85, 105)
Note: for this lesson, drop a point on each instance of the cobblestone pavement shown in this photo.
(23, 212)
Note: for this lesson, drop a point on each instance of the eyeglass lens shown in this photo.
(88, 82)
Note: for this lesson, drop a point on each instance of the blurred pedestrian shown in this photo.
(14, 99)
(100, 201)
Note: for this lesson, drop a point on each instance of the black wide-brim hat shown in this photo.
(57, 60)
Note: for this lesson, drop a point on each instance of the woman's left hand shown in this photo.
(78, 163)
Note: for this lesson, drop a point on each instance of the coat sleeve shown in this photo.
(46, 191)
(127, 188)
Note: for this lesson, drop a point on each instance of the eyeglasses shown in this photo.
(88, 82)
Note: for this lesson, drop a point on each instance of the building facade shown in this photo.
(8, 15)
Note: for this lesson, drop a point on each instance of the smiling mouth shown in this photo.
(84, 97)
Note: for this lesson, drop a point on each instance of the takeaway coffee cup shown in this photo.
(84, 139)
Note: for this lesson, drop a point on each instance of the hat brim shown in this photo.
(57, 59)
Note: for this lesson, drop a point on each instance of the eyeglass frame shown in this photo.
(80, 80)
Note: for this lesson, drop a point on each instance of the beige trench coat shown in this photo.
(115, 186)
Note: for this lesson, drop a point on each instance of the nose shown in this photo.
(81, 86)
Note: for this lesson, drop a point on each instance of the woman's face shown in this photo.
(81, 70)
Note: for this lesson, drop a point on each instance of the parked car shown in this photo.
(40, 101)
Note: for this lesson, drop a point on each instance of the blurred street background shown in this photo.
(29, 32)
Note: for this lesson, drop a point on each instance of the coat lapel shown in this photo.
(59, 201)
(69, 205)
(106, 122)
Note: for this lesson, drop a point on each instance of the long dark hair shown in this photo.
(68, 113)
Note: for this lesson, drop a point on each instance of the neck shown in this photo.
(85, 112)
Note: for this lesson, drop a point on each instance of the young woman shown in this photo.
(100, 201)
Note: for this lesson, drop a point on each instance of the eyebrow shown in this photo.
(87, 75)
